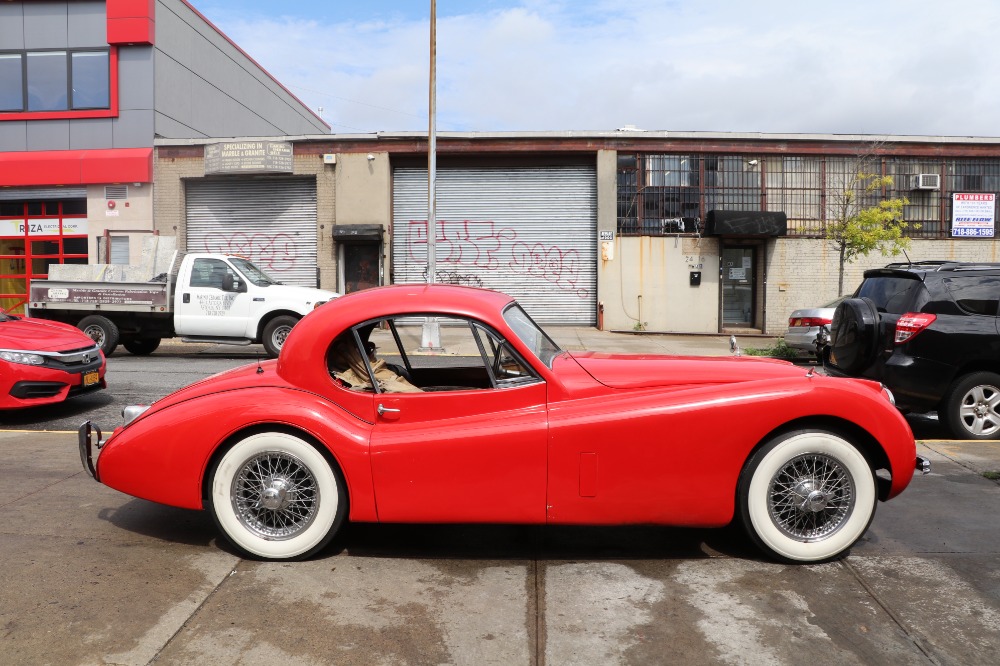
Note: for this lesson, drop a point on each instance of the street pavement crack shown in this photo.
(911, 636)
(194, 613)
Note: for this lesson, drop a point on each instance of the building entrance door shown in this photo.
(738, 286)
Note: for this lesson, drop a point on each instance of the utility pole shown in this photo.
(430, 340)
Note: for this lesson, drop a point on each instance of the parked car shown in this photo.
(42, 362)
(805, 324)
(506, 427)
(929, 332)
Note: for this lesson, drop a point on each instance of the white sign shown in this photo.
(737, 274)
(973, 215)
(70, 227)
(607, 235)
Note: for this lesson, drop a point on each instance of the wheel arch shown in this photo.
(258, 428)
(863, 440)
(273, 314)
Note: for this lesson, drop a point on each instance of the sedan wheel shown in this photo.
(277, 497)
(807, 496)
(972, 406)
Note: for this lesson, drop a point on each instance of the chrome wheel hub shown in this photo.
(811, 497)
(275, 496)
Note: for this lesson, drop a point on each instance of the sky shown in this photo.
(879, 67)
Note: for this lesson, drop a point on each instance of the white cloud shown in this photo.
(880, 67)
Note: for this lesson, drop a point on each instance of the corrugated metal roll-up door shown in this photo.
(272, 222)
(528, 232)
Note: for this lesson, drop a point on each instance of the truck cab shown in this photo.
(227, 298)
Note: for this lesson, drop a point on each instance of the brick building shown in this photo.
(627, 230)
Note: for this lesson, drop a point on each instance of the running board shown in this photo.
(243, 342)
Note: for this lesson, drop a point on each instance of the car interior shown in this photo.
(471, 356)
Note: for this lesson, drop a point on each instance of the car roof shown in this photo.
(924, 267)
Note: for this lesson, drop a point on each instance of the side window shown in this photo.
(976, 294)
(504, 363)
(209, 273)
(468, 357)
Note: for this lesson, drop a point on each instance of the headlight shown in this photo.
(24, 358)
(889, 396)
(132, 412)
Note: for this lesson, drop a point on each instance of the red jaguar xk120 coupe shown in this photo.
(357, 420)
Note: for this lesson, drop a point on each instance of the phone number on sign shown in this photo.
(980, 232)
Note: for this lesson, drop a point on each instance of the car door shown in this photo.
(204, 307)
(461, 453)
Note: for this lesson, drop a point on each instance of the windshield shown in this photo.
(890, 294)
(531, 335)
(252, 273)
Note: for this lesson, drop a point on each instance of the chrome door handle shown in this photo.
(384, 410)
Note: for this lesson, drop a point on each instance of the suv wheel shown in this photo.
(854, 335)
(972, 406)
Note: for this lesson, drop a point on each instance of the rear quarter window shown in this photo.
(890, 294)
(976, 294)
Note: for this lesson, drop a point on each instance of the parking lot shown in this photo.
(92, 576)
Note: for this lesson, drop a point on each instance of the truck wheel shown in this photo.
(141, 346)
(275, 333)
(101, 330)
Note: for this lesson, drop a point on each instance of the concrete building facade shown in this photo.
(85, 87)
(651, 231)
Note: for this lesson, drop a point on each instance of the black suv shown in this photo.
(929, 332)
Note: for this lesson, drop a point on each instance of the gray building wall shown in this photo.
(193, 83)
(207, 87)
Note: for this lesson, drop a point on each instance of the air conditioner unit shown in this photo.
(925, 181)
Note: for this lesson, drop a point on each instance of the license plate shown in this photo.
(91, 378)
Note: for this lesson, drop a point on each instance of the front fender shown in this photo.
(164, 456)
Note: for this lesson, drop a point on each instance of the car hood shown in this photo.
(41, 335)
(635, 371)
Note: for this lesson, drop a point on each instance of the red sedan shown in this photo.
(42, 362)
(494, 423)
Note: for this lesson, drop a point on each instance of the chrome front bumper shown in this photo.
(87, 447)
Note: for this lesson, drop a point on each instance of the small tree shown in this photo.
(860, 219)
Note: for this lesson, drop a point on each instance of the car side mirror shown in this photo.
(232, 283)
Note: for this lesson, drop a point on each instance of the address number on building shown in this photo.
(607, 235)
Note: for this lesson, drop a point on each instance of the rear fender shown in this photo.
(164, 456)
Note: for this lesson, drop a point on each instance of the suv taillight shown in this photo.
(910, 324)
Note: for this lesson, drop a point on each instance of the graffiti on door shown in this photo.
(271, 252)
(468, 248)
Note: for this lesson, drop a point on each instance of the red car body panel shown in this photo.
(601, 439)
(37, 335)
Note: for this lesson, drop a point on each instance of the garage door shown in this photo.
(273, 222)
(528, 232)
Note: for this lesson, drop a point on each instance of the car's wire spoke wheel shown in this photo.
(275, 495)
(806, 496)
(811, 497)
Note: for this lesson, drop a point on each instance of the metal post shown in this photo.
(430, 339)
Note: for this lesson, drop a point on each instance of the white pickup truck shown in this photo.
(216, 298)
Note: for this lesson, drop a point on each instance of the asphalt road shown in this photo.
(93, 576)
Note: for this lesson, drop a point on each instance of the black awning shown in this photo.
(357, 232)
(745, 223)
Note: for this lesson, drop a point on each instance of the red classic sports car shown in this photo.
(42, 362)
(494, 423)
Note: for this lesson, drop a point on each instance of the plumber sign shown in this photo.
(973, 215)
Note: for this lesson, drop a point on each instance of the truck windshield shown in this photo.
(252, 273)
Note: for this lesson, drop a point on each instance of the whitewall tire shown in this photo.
(277, 497)
(807, 496)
